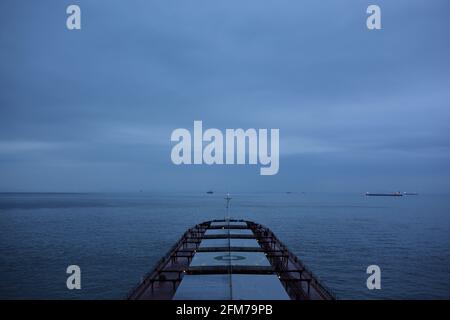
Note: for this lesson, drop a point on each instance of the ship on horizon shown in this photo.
(390, 194)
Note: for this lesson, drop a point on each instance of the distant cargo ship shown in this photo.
(391, 194)
(210, 192)
(230, 260)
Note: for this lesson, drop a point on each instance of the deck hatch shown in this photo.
(243, 287)
(214, 232)
(231, 223)
(211, 259)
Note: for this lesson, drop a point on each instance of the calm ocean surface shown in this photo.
(117, 238)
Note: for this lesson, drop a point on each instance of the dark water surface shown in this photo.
(117, 238)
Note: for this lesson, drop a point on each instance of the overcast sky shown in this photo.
(93, 110)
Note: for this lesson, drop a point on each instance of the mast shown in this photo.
(228, 198)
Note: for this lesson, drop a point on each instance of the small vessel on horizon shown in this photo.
(391, 194)
(209, 192)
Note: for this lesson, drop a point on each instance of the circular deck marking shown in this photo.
(229, 257)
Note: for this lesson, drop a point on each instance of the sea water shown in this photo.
(117, 238)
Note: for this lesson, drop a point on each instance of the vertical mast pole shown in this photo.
(228, 198)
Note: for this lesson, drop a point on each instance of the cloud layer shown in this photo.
(92, 110)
